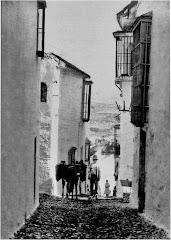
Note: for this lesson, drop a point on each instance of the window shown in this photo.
(81, 153)
(40, 27)
(43, 92)
(87, 150)
(123, 53)
(86, 98)
(71, 155)
(140, 70)
(117, 148)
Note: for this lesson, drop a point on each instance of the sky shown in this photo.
(81, 33)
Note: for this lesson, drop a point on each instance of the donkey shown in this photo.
(70, 174)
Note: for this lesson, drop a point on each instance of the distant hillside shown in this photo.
(108, 94)
(102, 119)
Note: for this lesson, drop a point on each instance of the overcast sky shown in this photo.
(81, 33)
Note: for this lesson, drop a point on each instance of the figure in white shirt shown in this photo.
(94, 176)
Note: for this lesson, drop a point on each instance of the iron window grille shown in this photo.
(40, 27)
(86, 100)
(140, 70)
(124, 42)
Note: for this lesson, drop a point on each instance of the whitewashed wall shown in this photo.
(157, 185)
(50, 75)
(20, 114)
(72, 131)
(126, 144)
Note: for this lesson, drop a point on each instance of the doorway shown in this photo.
(141, 187)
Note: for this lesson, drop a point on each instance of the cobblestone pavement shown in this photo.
(56, 219)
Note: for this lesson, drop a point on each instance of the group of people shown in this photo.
(94, 177)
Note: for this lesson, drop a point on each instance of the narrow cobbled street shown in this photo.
(56, 219)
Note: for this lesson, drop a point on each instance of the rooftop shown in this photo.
(69, 65)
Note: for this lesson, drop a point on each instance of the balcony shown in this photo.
(124, 46)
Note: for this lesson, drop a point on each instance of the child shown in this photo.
(107, 190)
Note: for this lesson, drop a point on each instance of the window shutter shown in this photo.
(40, 27)
(140, 71)
(86, 99)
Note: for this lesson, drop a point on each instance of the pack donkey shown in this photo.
(70, 174)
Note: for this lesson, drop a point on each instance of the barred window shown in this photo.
(124, 42)
(140, 70)
(86, 98)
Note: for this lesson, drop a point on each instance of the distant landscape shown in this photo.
(102, 119)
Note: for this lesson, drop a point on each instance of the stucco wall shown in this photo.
(157, 190)
(20, 115)
(157, 203)
(72, 131)
(45, 121)
(61, 124)
(126, 147)
(49, 125)
(135, 176)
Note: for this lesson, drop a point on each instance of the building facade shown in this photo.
(49, 108)
(150, 109)
(123, 80)
(67, 112)
(154, 152)
(21, 51)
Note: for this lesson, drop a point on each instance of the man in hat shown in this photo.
(94, 175)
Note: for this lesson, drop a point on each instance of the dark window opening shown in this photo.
(86, 101)
(140, 72)
(71, 156)
(43, 92)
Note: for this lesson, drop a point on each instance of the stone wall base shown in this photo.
(47, 186)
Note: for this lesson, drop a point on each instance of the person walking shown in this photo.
(107, 190)
(114, 191)
(94, 176)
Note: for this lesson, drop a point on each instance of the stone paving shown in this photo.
(58, 218)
